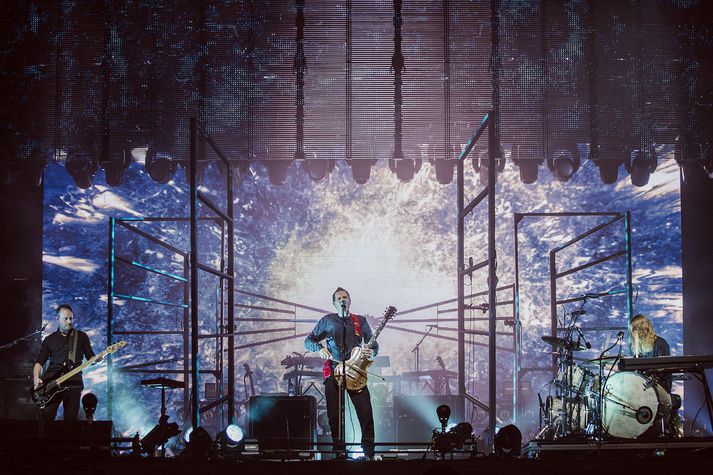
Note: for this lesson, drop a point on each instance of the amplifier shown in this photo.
(283, 422)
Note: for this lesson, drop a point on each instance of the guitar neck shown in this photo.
(76, 370)
(376, 334)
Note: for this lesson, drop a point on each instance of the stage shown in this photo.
(572, 461)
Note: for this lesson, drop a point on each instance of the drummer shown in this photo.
(644, 343)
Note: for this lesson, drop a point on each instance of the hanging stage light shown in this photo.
(277, 170)
(480, 164)
(640, 165)
(361, 169)
(527, 161)
(81, 166)
(565, 161)
(318, 169)
(608, 158)
(160, 165)
(444, 170)
(114, 159)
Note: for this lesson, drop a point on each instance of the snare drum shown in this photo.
(634, 404)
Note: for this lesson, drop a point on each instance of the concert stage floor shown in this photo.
(572, 460)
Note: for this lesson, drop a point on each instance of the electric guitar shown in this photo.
(357, 364)
(43, 394)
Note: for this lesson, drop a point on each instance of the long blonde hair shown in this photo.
(641, 335)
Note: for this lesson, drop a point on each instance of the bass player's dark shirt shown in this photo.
(55, 348)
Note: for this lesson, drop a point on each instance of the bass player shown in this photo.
(342, 332)
(66, 346)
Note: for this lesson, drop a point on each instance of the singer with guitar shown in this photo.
(342, 332)
(65, 347)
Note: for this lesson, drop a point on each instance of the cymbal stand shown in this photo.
(566, 356)
(600, 395)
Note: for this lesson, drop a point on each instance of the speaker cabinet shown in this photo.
(57, 439)
(283, 422)
(416, 417)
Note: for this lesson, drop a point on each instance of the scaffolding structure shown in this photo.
(195, 363)
(556, 275)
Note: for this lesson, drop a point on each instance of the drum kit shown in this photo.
(590, 401)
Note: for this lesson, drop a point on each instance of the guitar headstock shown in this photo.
(116, 346)
(389, 313)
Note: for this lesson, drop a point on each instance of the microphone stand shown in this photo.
(416, 348)
(343, 388)
(23, 338)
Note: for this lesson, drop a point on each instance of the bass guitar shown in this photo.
(355, 368)
(43, 394)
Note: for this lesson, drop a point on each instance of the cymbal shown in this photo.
(560, 343)
(603, 358)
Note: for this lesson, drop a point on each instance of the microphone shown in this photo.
(440, 362)
(620, 335)
(581, 335)
(578, 313)
(431, 326)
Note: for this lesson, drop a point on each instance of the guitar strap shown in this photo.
(72, 357)
(357, 327)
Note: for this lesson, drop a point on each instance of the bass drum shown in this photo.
(634, 404)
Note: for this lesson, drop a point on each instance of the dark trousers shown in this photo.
(362, 405)
(69, 399)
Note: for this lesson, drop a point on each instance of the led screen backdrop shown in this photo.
(387, 242)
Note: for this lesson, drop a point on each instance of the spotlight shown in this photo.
(277, 170)
(565, 162)
(361, 169)
(641, 164)
(318, 169)
(608, 158)
(159, 435)
(405, 168)
(200, 444)
(444, 170)
(231, 440)
(114, 160)
(444, 413)
(481, 165)
(89, 403)
(81, 166)
(456, 437)
(160, 165)
(508, 441)
(528, 163)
